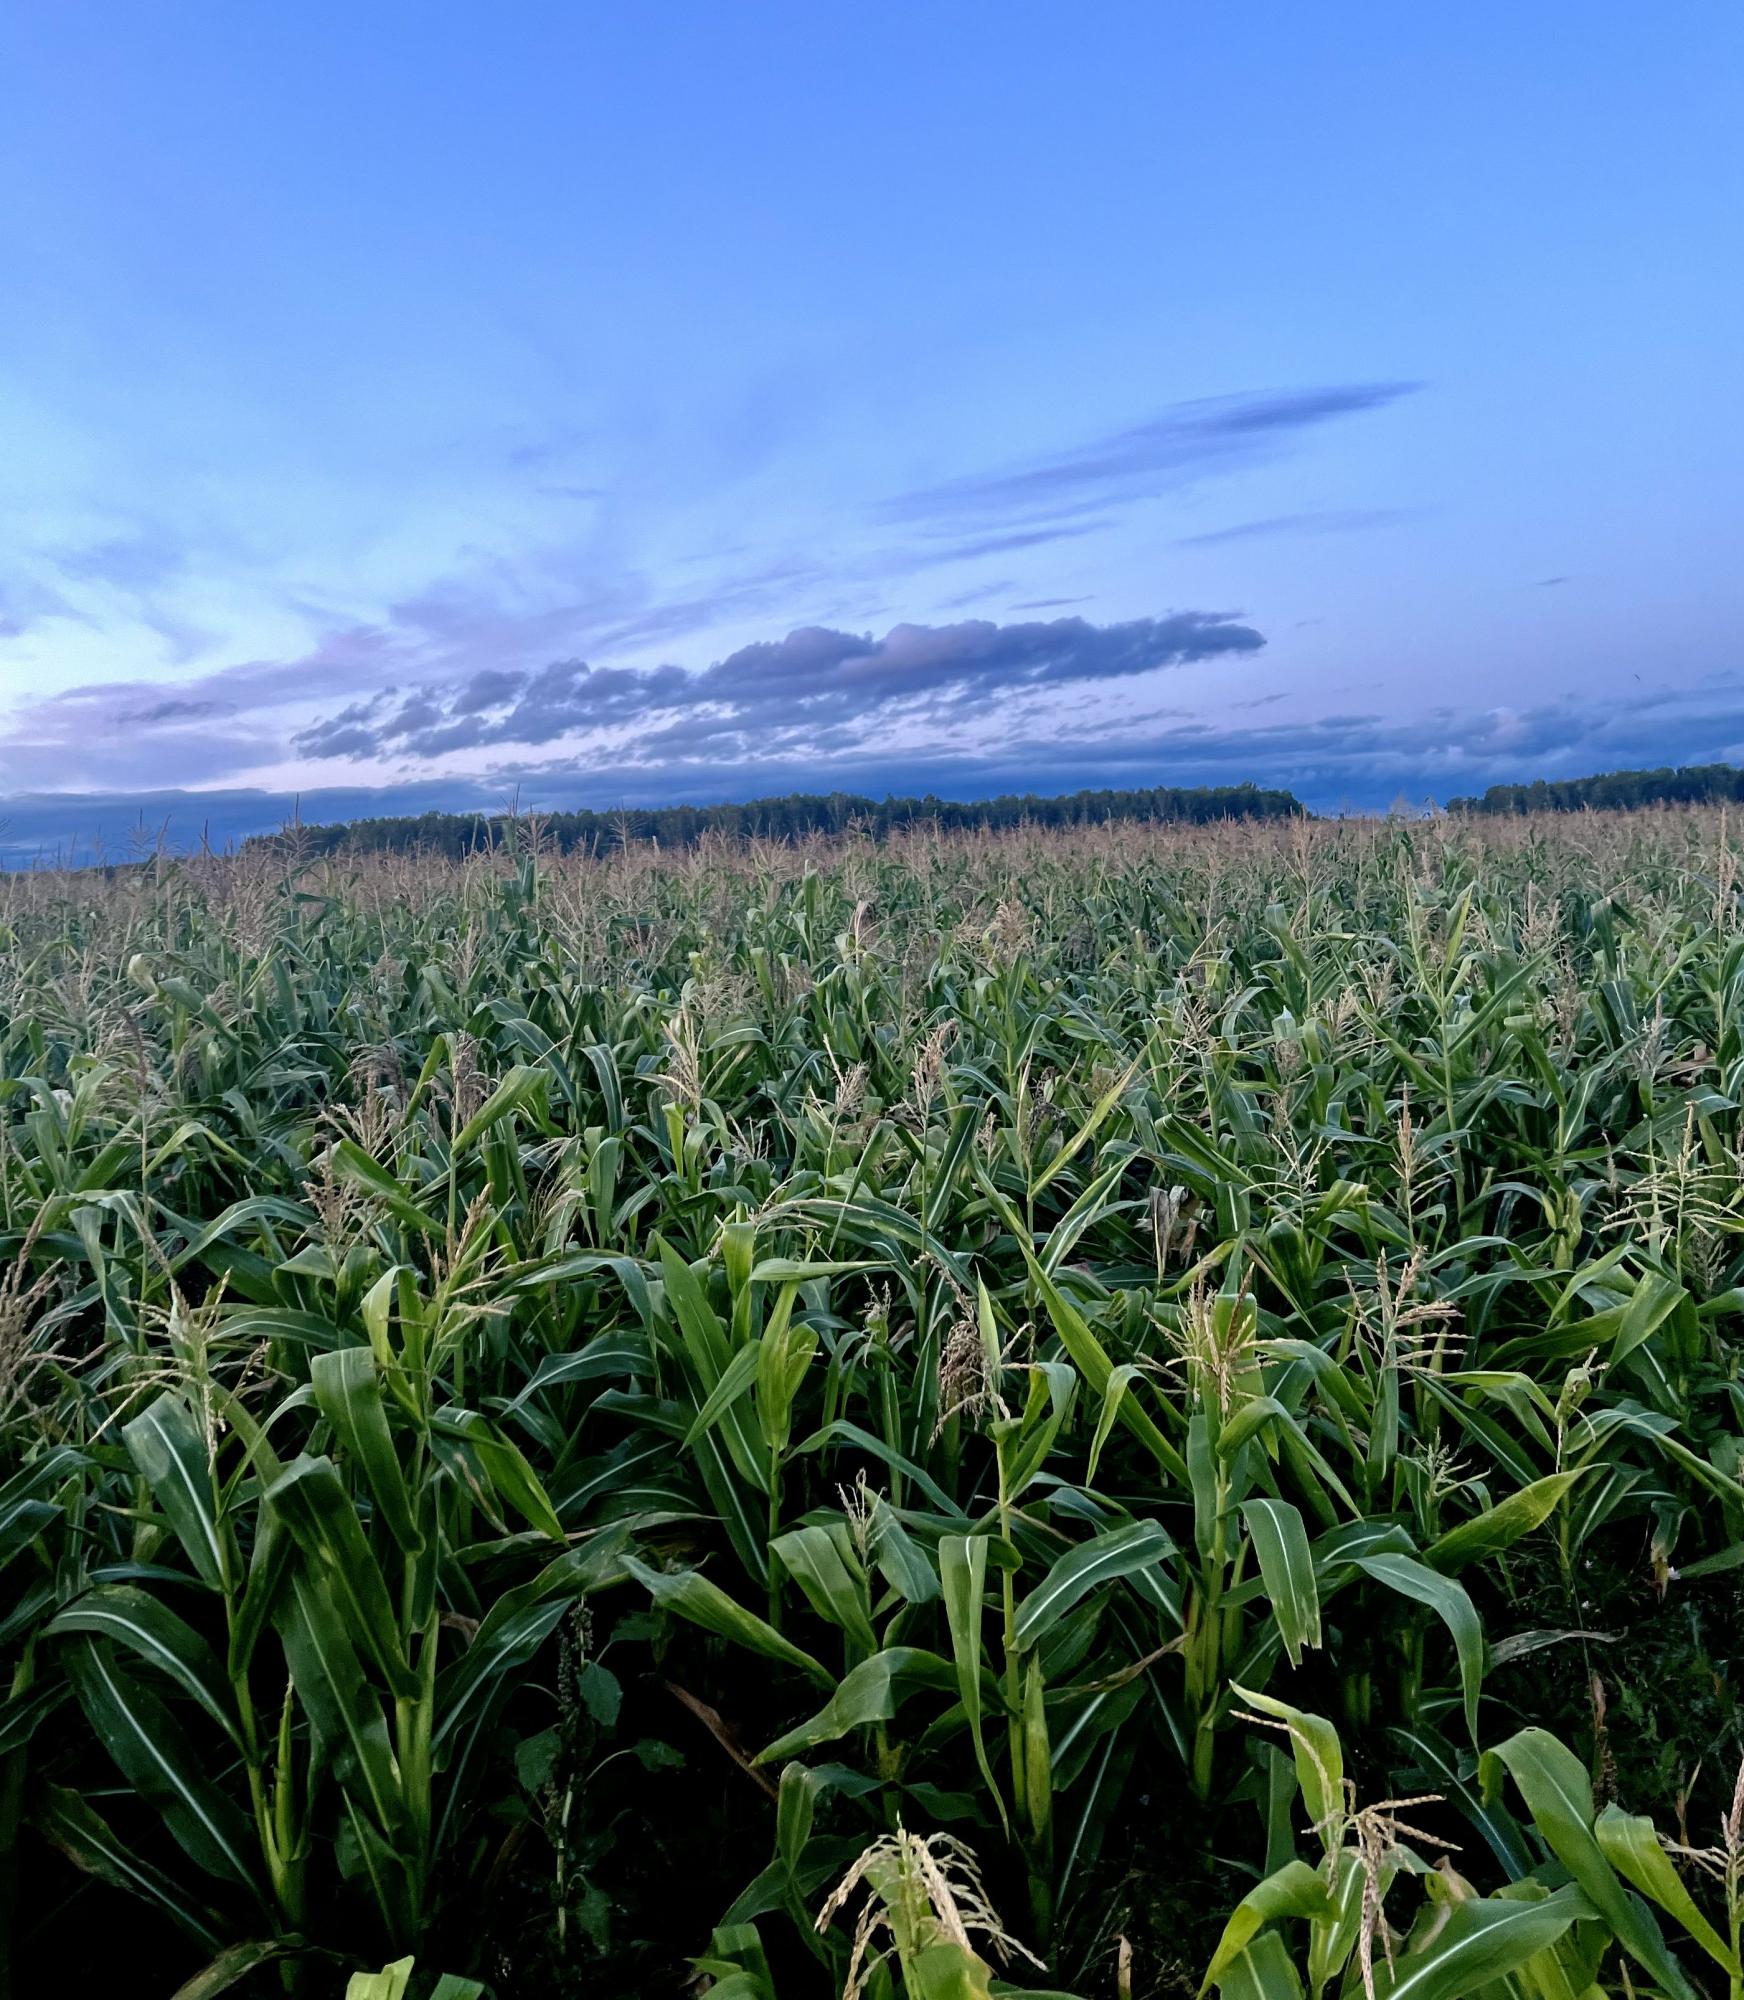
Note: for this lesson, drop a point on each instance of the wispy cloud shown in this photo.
(1331, 521)
(1183, 443)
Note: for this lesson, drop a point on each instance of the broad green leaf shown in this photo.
(519, 1088)
(1105, 1558)
(1260, 1970)
(1287, 1564)
(68, 1823)
(348, 1393)
(963, 1576)
(1630, 1844)
(160, 1763)
(504, 1466)
(344, 1710)
(1112, 1392)
(870, 1692)
(513, 1629)
(1296, 1890)
(168, 1445)
(310, 1498)
(811, 1557)
(1476, 1944)
(1318, 1754)
(1091, 1360)
(388, 1984)
(691, 1595)
(1500, 1526)
(1554, 1784)
(1450, 1603)
(133, 1618)
(898, 1558)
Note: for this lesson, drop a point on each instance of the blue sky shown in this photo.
(623, 404)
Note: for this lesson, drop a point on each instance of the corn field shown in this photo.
(1128, 1412)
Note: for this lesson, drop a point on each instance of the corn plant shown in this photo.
(551, 1405)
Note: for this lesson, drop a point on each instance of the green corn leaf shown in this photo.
(1112, 1392)
(784, 1353)
(963, 1576)
(1087, 1131)
(232, 1966)
(160, 1763)
(352, 1163)
(22, 1714)
(1480, 1942)
(691, 1595)
(24, 1521)
(348, 1393)
(68, 1823)
(1450, 1603)
(389, 1983)
(1115, 1553)
(1091, 1360)
(273, 1549)
(1500, 1526)
(870, 1692)
(1630, 1844)
(168, 1445)
(512, 1631)
(518, 1089)
(505, 1468)
(1296, 1890)
(1036, 1791)
(1554, 1784)
(810, 1555)
(345, 1712)
(1260, 1970)
(898, 1558)
(311, 1500)
(735, 1381)
(843, 1432)
(1318, 1754)
(1287, 1564)
(1332, 1940)
(133, 1618)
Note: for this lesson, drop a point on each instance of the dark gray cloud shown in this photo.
(1183, 443)
(814, 681)
(1332, 521)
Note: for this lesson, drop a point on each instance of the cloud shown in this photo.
(1185, 442)
(1356, 761)
(978, 594)
(137, 563)
(1347, 521)
(795, 690)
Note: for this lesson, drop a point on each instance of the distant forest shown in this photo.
(1612, 791)
(803, 813)
(799, 814)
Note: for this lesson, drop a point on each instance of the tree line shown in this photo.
(1612, 791)
(797, 815)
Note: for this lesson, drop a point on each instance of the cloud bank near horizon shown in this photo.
(1352, 762)
(817, 692)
